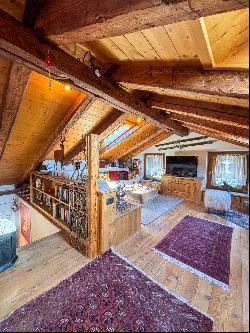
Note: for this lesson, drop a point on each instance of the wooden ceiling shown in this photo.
(179, 67)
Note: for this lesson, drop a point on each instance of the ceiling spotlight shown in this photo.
(67, 87)
(139, 120)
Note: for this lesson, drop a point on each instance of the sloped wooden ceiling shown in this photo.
(190, 72)
(40, 111)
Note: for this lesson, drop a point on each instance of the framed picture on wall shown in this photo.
(25, 222)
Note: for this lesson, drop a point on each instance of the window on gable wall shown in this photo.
(228, 171)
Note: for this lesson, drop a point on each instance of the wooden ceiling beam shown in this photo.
(66, 21)
(116, 152)
(15, 88)
(19, 42)
(158, 137)
(218, 135)
(76, 111)
(106, 126)
(148, 134)
(146, 75)
(230, 115)
(242, 134)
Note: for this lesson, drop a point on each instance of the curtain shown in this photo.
(154, 166)
(230, 169)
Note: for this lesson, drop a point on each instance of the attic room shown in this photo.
(124, 166)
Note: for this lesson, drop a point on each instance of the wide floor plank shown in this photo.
(43, 264)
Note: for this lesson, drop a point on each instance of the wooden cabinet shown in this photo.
(187, 188)
(240, 202)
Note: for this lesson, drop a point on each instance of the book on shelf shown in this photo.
(60, 212)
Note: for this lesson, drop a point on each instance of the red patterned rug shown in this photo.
(201, 246)
(107, 295)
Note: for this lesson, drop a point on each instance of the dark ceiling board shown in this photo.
(17, 83)
(202, 143)
(31, 12)
(184, 140)
(19, 42)
(67, 21)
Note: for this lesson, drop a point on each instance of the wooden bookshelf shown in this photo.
(48, 192)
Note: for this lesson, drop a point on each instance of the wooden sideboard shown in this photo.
(187, 188)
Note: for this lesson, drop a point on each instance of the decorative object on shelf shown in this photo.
(125, 207)
(120, 194)
(90, 61)
(136, 163)
(49, 63)
(59, 154)
(14, 206)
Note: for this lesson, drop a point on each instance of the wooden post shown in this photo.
(107, 216)
(93, 175)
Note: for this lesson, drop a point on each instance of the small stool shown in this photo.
(217, 200)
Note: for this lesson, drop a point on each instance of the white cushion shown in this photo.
(217, 200)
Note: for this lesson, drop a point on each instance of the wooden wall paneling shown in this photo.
(119, 17)
(93, 176)
(15, 88)
(26, 48)
(76, 111)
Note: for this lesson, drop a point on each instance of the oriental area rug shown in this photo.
(200, 246)
(107, 295)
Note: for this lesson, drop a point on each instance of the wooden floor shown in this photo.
(43, 264)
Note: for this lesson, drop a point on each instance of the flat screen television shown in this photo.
(182, 166)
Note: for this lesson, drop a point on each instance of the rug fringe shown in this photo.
(203, 218)
(192, 270)
(183, 300)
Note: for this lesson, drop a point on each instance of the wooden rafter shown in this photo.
(242, 134)
(218, 135)
(15, 88)
(222, 114)
(147, 134)
(158, 137)
(121, 142)
(80, 106)
(65, 21)
(106, 126)
(144, 76)
(19, 42)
